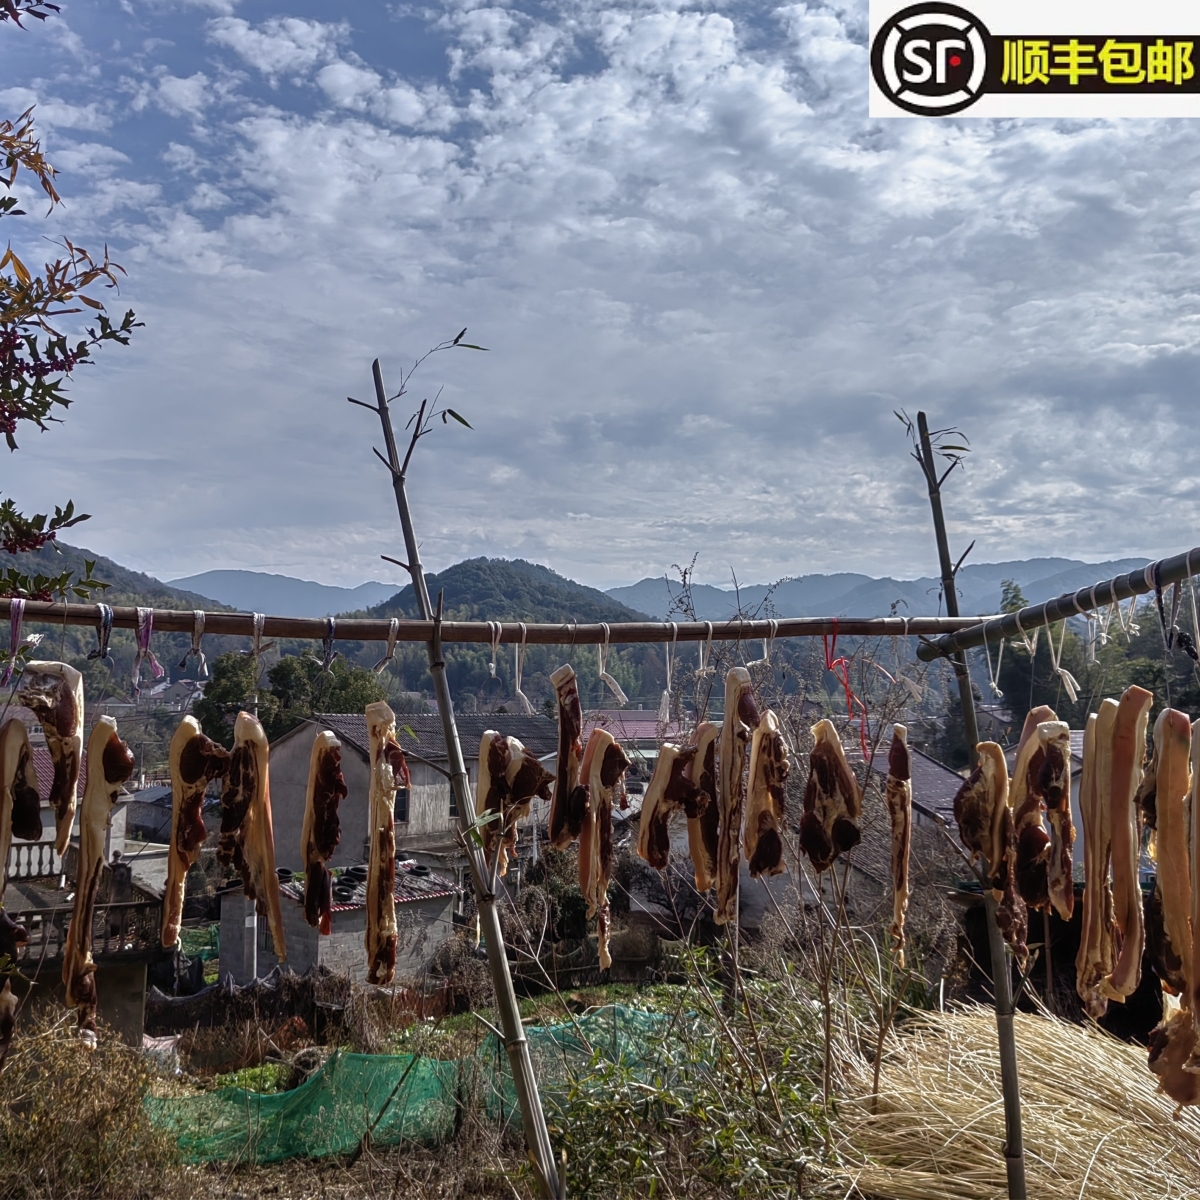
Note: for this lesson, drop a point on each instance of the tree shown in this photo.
(233, 680)
(36, 358)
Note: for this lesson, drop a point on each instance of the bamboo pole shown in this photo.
(357, 629)
(537, 1136)
(1155, 577)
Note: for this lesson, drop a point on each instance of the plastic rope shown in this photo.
(328, 653)
(605, 677)
(664, 705)
(704, 651)
(494, 628)
(16, 614)
(390, 654)
(993, 676)
(103, 633)
(195, 652)
(1069, 682)
(145, 631)
(1030, 644)
(840, 668)
(519, 667)
(768, 642)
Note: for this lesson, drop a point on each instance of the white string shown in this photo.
(768, 642)
(328, 653)
(664, 705)
(1129, 626)
(518, 667)
(1069, 682)
(494, 629)
(605, 677)
(705, 652)
(1030, 645)
(393, 631)
(993, 676)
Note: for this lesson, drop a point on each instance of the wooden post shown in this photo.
(1010, 1083)
(537, 1136)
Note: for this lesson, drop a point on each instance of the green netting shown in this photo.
(398, 1097)
(201, 943)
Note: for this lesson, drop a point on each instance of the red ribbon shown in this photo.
(840, 668)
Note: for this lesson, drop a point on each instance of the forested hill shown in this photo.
(498, 589)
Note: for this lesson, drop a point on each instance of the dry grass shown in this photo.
(1093, 1123)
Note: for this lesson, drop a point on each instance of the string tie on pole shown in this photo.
(605, 678)
(390, 654)
(664, 705)
(768, 642)
(494, 629)
(1069, 682)
(993, 676)
(195, 651)
(1030, 644)
(16, 614)
(705, 652)
(145, 630)
(518, 669)
(328, 653)
(103, 633)
(840, 668)
(258, 646)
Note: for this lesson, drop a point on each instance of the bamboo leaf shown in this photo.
(469, 346)
(459, 419)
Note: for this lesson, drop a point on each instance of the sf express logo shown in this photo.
(930, 59)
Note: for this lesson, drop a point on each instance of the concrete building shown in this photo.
(426, 819)
(425, 903)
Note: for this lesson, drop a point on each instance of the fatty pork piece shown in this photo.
(1025, 801)
(704, 812)
(766, 806)
(1169, 1047)
(986, 828)
(1054, 784)
(53, 691)
(389, 771)
(604, 767)
(737, 727)
(1169, 913)
(10, 1005)
(669, 791)
(195, 761)
(898, 796)
(569, 803)
(110, 763)
(20, 809)
(1095, 958)
(1128, 753)
(832, 801)
(247, 831)
(322, 830)
(510, 776)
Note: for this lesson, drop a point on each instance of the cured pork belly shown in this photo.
(985, 826)
(704, 814)
(195, 761)
(1054, 784)
(322, 830)
(898, 795)
(604, 767)
(569, 804)
(1095, 958)
(53, 691)
(20, 808)
(509, 778)
(737, 727)
(832, 801)
(247, 832)
(670, 790)
(389, 771)
(1025, 801)
(766, 806)
(110, 763)
(1128, 753)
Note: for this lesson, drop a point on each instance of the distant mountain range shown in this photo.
(851, 595)
(283, 596)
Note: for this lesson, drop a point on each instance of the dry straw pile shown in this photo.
(1094, 1126)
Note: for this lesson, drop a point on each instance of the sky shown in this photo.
(705, 279)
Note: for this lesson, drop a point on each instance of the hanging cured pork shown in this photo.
(985, 825)
(195, 760)
(110, 763)
(1095, 958)
(1128, 753)
(247, 839)
(322, 830)
(1172, 1042)
(704, 814)
(832, 801)
(898, 796)
(737, 727)
(20, 808)
(53, 691)
(569, 804)
(1054, 783)
(670, 790)
(766, 805)
(10, 1005)
(1025, 801)
(510, 776)
(389, 771)
(604, 767)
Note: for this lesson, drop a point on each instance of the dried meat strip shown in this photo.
(766, 806)
(389, 771)
(322, 828)
(898, 797)
(737, 727)
(53, 691)
(832, 801)
(569, 803)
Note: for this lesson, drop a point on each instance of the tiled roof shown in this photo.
(410, 888)
(630, 724)
(539, 734)
(934, 784)
(43, 764)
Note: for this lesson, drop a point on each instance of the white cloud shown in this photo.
(281, 45)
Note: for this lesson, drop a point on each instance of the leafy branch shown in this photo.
(950, 443)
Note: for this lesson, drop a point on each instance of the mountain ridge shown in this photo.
(285, 595)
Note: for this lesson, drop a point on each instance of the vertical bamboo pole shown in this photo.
(537, 1136)
(1010, 1083)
